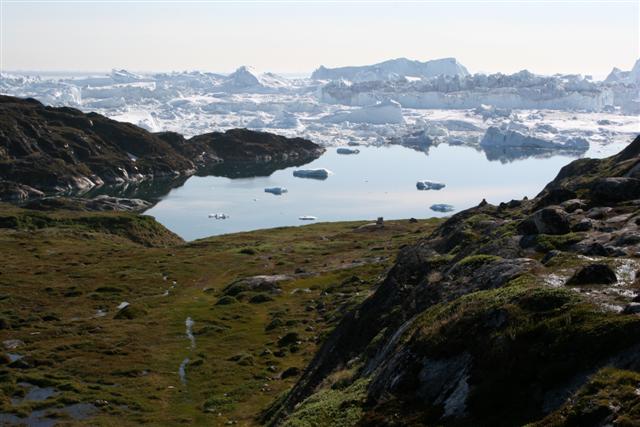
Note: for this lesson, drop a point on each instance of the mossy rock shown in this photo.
(226, 300)
(130, 312)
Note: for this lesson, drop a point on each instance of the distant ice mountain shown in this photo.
(625, 86)
(247, 78)
(630, 77)
(392, 70)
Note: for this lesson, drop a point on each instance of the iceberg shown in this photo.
(496, 137)
(307, 218)
(276, 190)
(429, 185)
(347, 150)
(385, 112)
(312, 173)
(442, 207)
(392, 69)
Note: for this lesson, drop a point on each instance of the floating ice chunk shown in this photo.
(386, 112)
(441, 207)
(429, 185)
(307, 218)
(276, 190)
(218, 216)
(505, 138)
(346, 150)
(312, 173)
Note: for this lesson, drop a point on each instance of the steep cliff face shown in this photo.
(504, 315)
(63, 149)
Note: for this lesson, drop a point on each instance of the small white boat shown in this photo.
(218, 216)
(307, 218)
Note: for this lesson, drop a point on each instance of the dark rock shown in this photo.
(549, 256)
(288, 339)
(130, 312)
(54, 150)
(260, 298)
(573, 205)
(226, 300)
(584, 224)
(593, 274)
(632, 308)
(555, 196)
(255, 284)
(599, 213)
(290, 372)
(615, 189)
(100, 203)
(551, 220)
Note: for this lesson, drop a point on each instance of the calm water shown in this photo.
(376, 182)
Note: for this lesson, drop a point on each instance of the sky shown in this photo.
(284, 36)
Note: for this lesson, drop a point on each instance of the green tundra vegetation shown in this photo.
(64, 273)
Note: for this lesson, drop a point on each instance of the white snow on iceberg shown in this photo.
(496, 137)
(385, 112)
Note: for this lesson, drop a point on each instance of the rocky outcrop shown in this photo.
(56, 150)
(474, 326)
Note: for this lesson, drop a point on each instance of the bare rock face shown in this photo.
(469, 328)
(54, 150)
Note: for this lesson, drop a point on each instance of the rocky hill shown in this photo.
(525, 312)
(54, 150)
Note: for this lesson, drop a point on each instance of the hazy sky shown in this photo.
(284, 36)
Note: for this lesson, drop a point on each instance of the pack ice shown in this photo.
(414, 103)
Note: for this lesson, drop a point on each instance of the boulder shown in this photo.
(593, 274)
(550, 220)
(290, 372)
(615, 189)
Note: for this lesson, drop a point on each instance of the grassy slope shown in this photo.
(56, 274)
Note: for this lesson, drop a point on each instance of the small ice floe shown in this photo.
(307, 218)
(347, 150)
(441, 207)
(429, 185)
(312, 173)
(122, 305)
(276, 190)
(218, 216)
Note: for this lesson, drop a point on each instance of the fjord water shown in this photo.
(380, 181)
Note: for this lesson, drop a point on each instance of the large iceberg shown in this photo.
(393, 69)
